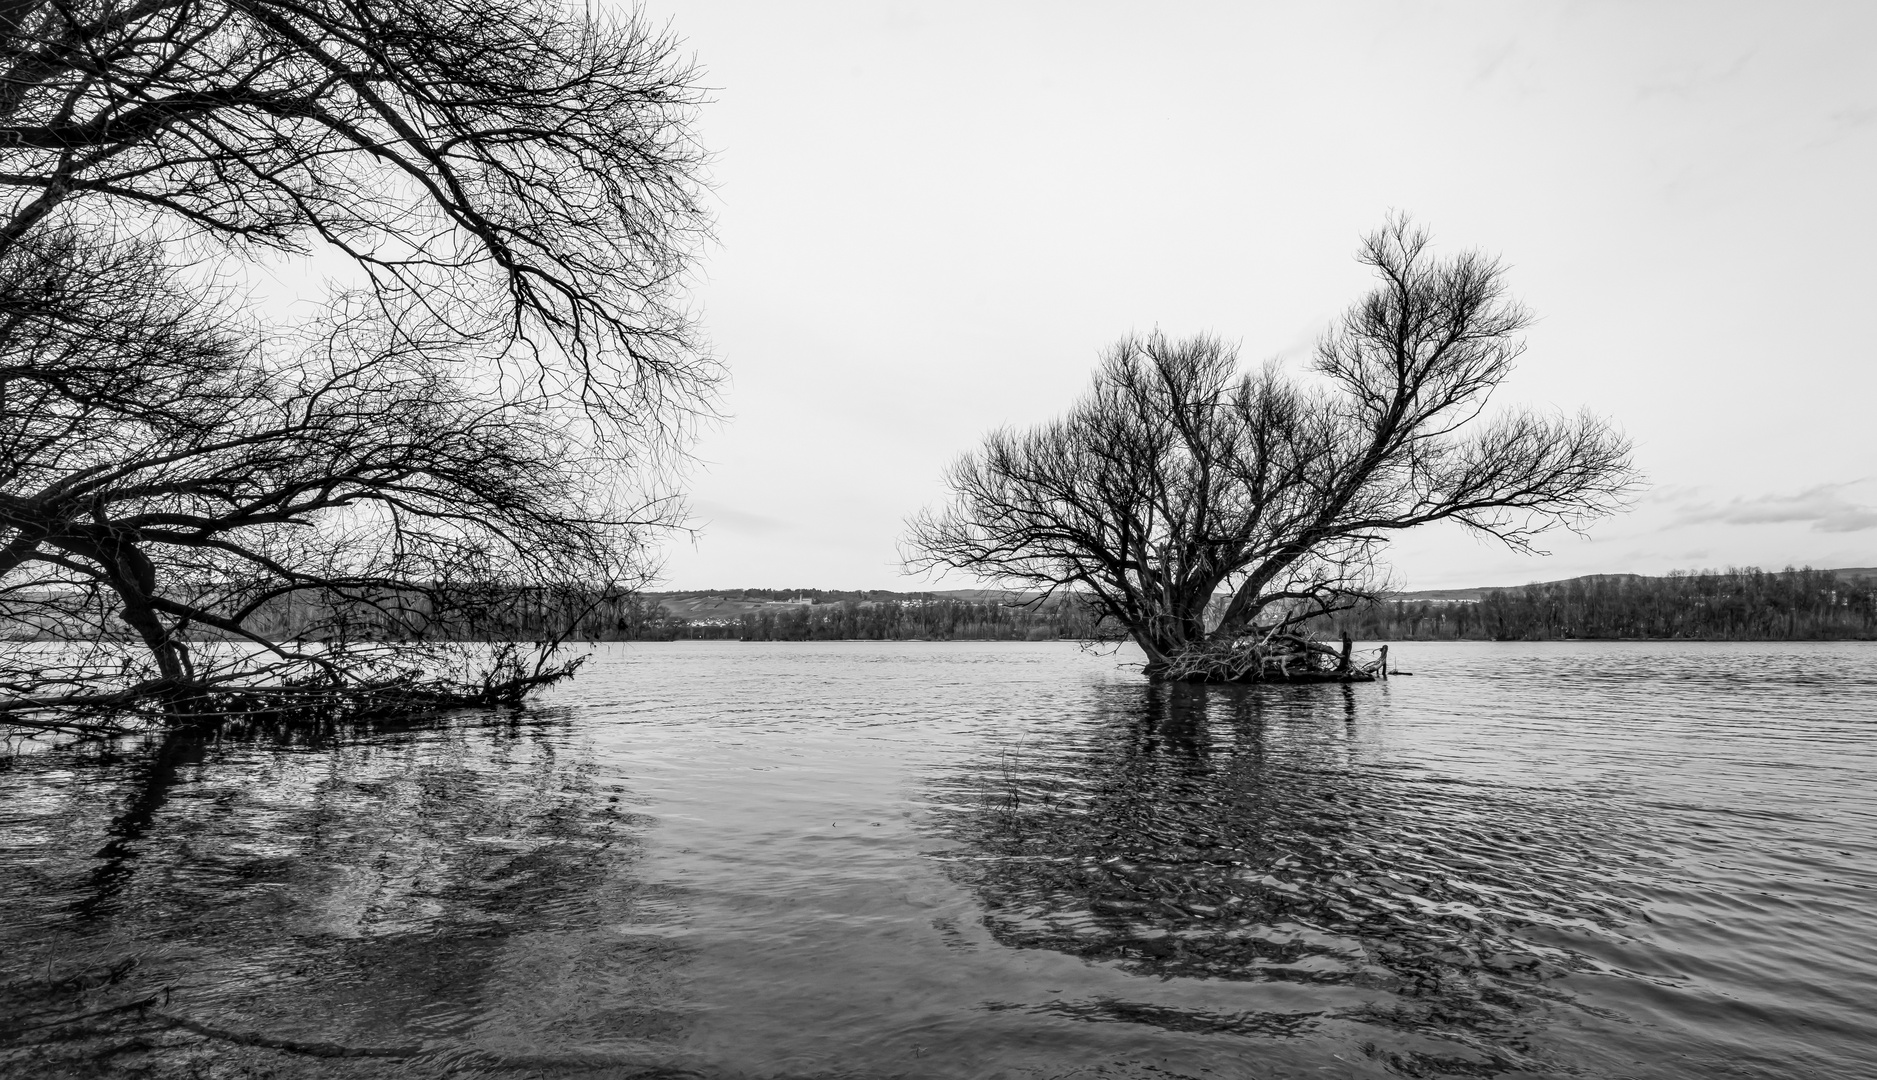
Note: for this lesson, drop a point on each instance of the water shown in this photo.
(981, 860)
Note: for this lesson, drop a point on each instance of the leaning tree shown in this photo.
(203, 490)
(1207, 510)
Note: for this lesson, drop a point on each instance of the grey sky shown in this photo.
(933, 216)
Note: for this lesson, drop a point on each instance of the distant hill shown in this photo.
(1741, 604)
(836, 615)
(1744, 604)
(1479, 592)
(1854, 575)
(731, 603)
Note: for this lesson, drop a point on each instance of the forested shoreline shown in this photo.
(1747, 604)
(866, 616)
(1733, 605)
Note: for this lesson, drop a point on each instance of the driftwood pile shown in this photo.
(1276, 658)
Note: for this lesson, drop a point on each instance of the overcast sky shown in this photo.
(931, 218)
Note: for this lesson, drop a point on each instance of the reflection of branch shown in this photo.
(106, 880)
(297, 1046)
(139, 1004)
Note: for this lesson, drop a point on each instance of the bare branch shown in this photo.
(1178, 479)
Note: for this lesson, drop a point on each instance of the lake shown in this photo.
(857, 860)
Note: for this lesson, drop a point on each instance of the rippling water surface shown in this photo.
(980, 860)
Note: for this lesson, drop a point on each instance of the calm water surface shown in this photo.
(980, 860)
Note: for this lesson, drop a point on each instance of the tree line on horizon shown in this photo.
(873, 617)
(1737, 604)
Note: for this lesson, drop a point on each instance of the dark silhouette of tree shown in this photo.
(523, 167)
(1177, 476)
(472, 422)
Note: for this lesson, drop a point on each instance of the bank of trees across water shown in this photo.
(1747, 604)
(1736, 604)
(1732, 605)
(874, 616)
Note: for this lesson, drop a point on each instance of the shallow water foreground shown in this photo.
(980, 860)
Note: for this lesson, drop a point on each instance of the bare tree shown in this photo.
(524, 167)
(471, 424)
(223, 505)
(1178, 479)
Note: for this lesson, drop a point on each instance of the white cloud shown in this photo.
(1826, 507)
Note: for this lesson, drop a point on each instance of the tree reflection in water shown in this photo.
(1242, 833)
(458, 892)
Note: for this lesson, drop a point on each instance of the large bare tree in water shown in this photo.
(1178, 478)
(502, 195)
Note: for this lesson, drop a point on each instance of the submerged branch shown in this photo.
(406, 680)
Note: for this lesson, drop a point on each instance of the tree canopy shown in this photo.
(1199, 503)
(503, 196)
(524, 168)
